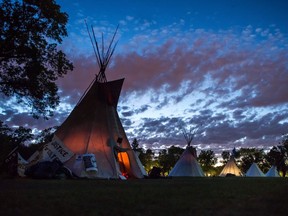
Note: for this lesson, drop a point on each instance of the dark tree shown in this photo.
(225, 156)
(278, 155)
(30, 62)
(10, 139)
(167, 159)
(46, 135)
(22, 136)
(146, 158)
(252, 155)
(14, 137)
(207, 160)
(6, 143)
(5, 133)
(135, 144)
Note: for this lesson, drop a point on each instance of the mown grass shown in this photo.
(181, 196)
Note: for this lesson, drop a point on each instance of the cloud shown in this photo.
(231, 83)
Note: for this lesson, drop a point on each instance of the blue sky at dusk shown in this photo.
(218, 65)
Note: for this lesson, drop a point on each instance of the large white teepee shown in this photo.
(187, 165)
(254, 171)
(94, 127)
(272, 172)
(231, 169)
(92, 142)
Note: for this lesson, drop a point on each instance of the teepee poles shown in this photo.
(189, 135)
(102, 56)
(93, 45)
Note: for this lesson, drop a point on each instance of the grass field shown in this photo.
(183, 196)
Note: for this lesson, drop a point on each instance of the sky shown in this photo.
(219, 66)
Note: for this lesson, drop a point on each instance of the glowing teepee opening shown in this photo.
(124, 163)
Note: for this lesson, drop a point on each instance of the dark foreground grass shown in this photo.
(183, 196)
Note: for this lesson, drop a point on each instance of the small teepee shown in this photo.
(272, 172)
(92, 142)
(231, 169)
(187, 164)
(254, 171)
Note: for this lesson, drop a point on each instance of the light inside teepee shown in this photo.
(124, 163)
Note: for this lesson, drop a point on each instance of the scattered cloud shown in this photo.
(231, 83)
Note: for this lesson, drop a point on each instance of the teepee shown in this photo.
(272, 172)
(254, 171)
(92, 142)
(231, 169)
(187, 164)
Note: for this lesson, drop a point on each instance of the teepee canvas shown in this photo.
(143, 171)
(254, 171)
(230, 169)
(272, 172)
(94, 127)
(187, 165)
(92, 142)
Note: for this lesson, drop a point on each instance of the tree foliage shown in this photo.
(252, 155)
(30, 62)
(146, 158)
(135, 144)
(207, 160)
(278, 155)
(225, 156)
(22, 138)
(167, 159)
(46, 135)
(12, 138)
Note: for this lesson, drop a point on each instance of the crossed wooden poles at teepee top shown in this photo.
(103, 57)
(189, 135)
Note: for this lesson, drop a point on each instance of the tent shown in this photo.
(254, 171)
(272, 172)
(143, 171)
(94, 127)
(231, 169)
(187, 165)
(92, 142)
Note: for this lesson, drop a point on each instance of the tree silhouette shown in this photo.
(207, 160)
(135, 144)
(278, 155)
(30, 62)
(167, 159)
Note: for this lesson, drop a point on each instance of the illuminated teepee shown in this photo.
(231, 169)
(92, 142)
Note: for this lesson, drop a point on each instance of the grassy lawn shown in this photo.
(183, 196)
